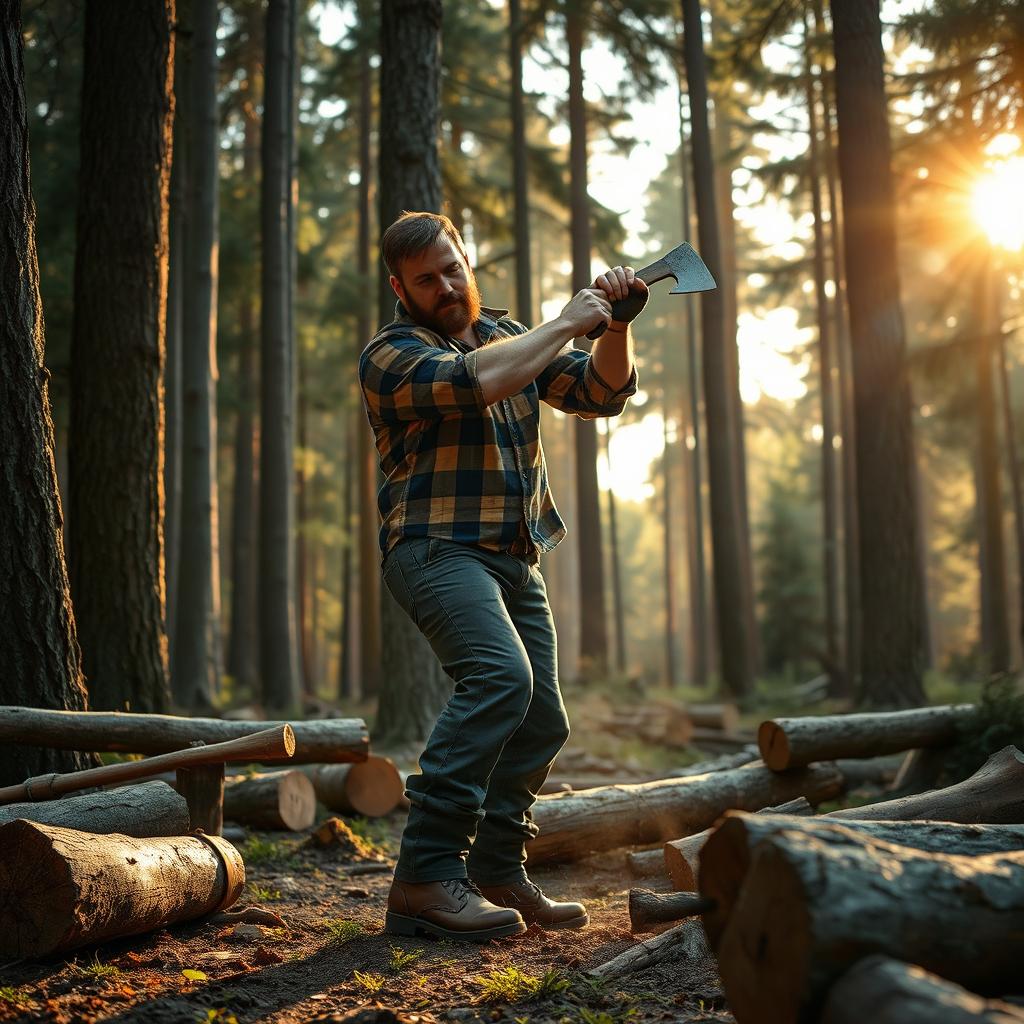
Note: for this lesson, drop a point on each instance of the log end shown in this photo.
(373, 787)
(288, 739)
(774, 746)
(297, 802)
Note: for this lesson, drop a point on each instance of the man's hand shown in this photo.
(626, 290)
(585, 310)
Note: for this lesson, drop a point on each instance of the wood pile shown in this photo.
(675, 725)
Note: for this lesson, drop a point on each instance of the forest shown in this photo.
(793, 577)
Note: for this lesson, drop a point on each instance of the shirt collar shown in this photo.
(485, 326)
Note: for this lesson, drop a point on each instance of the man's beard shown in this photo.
(453, 314)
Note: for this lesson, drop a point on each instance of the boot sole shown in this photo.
(399, 924)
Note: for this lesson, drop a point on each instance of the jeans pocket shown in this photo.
(398, 587)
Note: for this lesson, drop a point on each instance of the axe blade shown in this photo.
(685, 266)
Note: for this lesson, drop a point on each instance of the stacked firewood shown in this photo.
(714, 727)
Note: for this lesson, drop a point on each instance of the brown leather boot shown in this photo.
(536, 908)
(453, 909)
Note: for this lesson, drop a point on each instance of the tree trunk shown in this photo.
(346, 661)
(40, 661)
(195, 670)
(68, 889)
(672, 679)
(806, 909)
(593, 616)
(372, 788)
(413, 686)
(574, 825)
(303, 583)
(144, 810)
(887, 991)
(618, 598)
(792, 742)
(731, 596)
(520, 167)
(892, 627)
(277, 800)
(279, 657)
(330, 740)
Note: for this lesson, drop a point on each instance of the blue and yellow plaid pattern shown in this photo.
(454, 467)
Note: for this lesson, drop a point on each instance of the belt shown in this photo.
(522, 548)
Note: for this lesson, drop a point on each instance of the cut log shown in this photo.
(372, 788)
(574, 825)
(793, 742)
(143, 810)
(730, 846)
(276, 800)
(886, 991)
(685, 944)
(994, 794)
(276, 742)
(723, 717)
(681, 857)
(646, 863)
(807, 908)
(63, 888)
(328, 741)
(647, 908)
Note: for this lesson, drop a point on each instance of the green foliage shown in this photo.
(402, 958)
(510, 985)
(10, 996)
(257, 850)
(342, 931)
(997, 722)
(369, 982)
(94, 969)
(263, 892)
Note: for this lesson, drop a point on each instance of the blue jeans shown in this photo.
(487, 618)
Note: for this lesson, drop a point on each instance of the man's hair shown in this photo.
(412, 234)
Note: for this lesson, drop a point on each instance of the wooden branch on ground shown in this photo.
(329, 740)
(886, 991)
(275, 800)
(372, 788)
(143, 810)
(63, 888)
(793, 742)
(647, 908)
(574, 825)
(806, 908)
(277, 743)
(685, 942)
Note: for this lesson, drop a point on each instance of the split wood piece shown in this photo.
(681, 857)
(732, 844)
(63, 888)
(994, 794)
(329, 741)
(574, 825)
(792, 742)
(203, 790)
(685, 943)
(276, 800)
(886, 991)
(143, 810)
(372, 788)
(647, 908)
(277, 743)
(807, 908)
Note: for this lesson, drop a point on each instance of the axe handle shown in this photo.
(622, 309)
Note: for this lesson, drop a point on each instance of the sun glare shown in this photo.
(997, 202)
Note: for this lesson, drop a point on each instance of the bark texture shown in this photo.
(40, 661)
(277, 800)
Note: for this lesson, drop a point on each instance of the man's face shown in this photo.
(438, 288)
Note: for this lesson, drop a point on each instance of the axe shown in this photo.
(682, 263)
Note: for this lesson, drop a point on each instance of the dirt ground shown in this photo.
(329, 960)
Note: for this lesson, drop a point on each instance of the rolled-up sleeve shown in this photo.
(570, 383)
(403, 378)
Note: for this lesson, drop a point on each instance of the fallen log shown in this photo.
(886, 991)
(731, 845)
(574, 825)
(372, 788)
(646, 863)
(277, 743)
(276, 800)
(63, 888)
(723, 717)
(329, 740)
(143, 810)
(684, 943)
(647, 908)
(681, 857)
(807, 908)
(793, 742)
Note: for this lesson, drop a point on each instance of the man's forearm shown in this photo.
(505, 367)
(612, 355)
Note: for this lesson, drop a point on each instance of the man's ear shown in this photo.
(396, 287)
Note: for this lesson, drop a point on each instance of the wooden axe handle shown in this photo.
(276, 743)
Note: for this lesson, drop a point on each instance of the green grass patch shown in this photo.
(256, 850)
(374, 832)
(10, 996)
(401, 958)
(263, 892)
(369, 982)
(342, 931)
(511, 985)
(94, 969)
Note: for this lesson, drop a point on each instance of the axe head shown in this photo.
(684, 266)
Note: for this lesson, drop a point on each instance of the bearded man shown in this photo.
(452, 391)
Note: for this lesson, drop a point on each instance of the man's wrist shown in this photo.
(618, 326)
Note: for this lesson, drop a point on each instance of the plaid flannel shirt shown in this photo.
(455, 467)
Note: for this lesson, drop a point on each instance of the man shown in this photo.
(451, 390)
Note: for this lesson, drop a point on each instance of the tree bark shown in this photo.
(805, 909)
(143, 810)
(279, 658)
(40, 661)
(648, 908)
(67, 889)
(887, 991)
(892, 627)
(685, 944)
(520, 167)
(330, 740)
(371, 788)
(792, 742)
(672, 679)
(277, 800)
(618, 597)
(574, 825)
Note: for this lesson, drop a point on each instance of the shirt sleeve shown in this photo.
(570, 383)
(403, 378)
